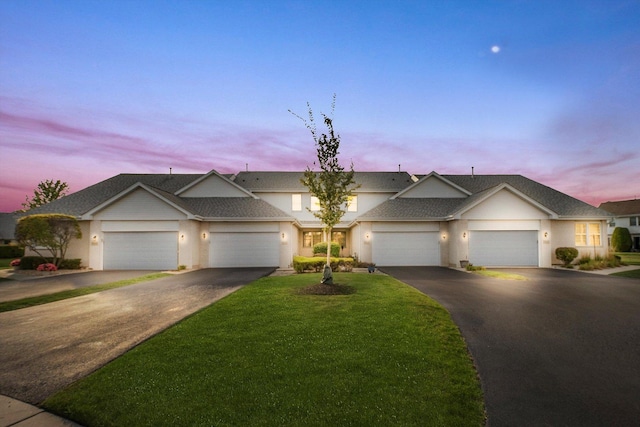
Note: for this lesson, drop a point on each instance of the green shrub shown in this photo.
(11, 252)
(471, 267)
(32, 263)
(566, 255)
(316, 264)
(621, 240)
(598, 262)
(321, 248)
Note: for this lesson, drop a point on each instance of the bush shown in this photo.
(621, 240)
(11, 251)
(32, 263)
(321, 248)
(302, 264)
(587, 263)
(47, 267)
(471, 267)
(566, 255)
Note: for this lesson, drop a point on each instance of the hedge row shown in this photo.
(321, 248)
(302, 264)
(11, 251)
(32, 262)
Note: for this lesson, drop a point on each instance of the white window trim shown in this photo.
(296, 202)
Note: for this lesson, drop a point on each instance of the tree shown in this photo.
(333, 186)
(50, 232)
(46, 191)
(621, 240)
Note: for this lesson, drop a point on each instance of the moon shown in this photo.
(495, 49)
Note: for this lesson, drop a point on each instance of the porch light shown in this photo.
(464, 235)
(283, 236)
(94, 238)
(367, 236)
(444, 237)
(204, 236)
(182, 237)
(546, 234)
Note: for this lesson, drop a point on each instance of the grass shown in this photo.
(500, 275)
(4, 263)
(267, 355)
(629, 258)
(634, 274)
(72, 293)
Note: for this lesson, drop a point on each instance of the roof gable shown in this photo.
(140, 202)
(213, 185)
(433, 186)
(503, 202)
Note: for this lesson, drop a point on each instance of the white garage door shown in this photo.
(504, 248)
(244, 250)
(405, 248)
(141, 251)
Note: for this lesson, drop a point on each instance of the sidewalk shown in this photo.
(16, 413)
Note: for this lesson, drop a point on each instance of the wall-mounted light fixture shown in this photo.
(367, 236)
(94, 238)
(546, 234)
(182, 237)
(204, 236)
(464, 235)
(444, 237)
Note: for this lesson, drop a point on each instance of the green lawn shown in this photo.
(266, 355)
(500, 275)
(634, 274)
(629, 258)
(4, 263)
(72, 293)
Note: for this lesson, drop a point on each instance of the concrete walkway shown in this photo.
(19, 414)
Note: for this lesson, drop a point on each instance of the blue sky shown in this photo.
(546, 89)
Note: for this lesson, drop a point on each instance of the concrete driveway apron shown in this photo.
(562, 348)
(47, 347)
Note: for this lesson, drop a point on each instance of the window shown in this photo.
(588, 234)
(296, 202)
(310, 238)
(340, 237)
(633, 221)
(315, 204)
(352, 204)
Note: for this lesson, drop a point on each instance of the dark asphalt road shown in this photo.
(560, 349)
(45, 348)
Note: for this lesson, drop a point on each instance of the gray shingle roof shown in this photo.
(7, 226)
(290, 181)
(233, 207)
(84, 200)
(165, 185)
(624, 207)
(560, 203)
(480, 186)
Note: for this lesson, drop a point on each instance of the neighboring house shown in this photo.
(626, 214)
(258, 219)
(8, 228)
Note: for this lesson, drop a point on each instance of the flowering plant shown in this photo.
(15, 263)
(47, 267)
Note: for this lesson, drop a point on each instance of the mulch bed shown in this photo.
(323, 289)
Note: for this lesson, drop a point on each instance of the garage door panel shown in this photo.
(504, 248)
(406, 248)
(244, 250)
(141, 251)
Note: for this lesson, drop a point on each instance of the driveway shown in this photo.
(45, 348)
(562, 348)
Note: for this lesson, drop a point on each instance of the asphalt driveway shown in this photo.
(562, 348)
(47, 347)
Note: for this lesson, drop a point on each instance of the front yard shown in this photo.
(267, 355)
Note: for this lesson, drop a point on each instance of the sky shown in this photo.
(545, 89)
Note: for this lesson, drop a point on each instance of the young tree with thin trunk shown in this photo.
(332, 185)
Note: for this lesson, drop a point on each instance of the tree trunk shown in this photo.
(327, 275)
